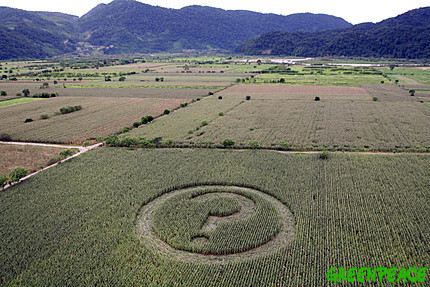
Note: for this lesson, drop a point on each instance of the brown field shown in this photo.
(335, 124)
(130, 67)
(161, 93)
(99, 117)
(164, 93)
(283, 91)
(28, 157)
(389, 93)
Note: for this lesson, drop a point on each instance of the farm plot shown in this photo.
(77, 224)
(28, 157)
(99, 117)
(182, 123)
(348, 122)
(268, 92)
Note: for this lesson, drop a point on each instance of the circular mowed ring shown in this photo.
(215, 224)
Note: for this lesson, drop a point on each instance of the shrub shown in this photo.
(86, 143)
(210, 94)
(66, 153)
(70, 109)
(412, 93)
(169, 142)
(5, 137)
(248, 98)
(219, 97)
(285, 145)
(44, 117)
(166, 112)
(3, 180)
(108, 78)
(317, 99)
(228, 143)
(122, 79)
(375, 99)
(144, 120)
(125, 129)
(183, 105)
(221, 114)
(324, 155)
(3, 93)
(204, 123)
(17, 174)
(253, 144)
(136, 124)
(28, 120)
(150, 118)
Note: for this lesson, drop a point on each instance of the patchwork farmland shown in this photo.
(205, 177)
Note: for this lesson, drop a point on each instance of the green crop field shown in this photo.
(80, 223)
(239, 177)
(18, 101)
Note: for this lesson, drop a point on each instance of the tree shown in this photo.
(3, 93)
(26, 92)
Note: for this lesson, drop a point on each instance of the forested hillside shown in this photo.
(405, 36)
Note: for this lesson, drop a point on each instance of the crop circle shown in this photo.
(215, 224)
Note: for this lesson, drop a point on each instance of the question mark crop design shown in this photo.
(216, 222)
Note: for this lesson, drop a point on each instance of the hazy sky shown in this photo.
(352, 11)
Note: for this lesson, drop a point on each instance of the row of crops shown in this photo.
(76, 224)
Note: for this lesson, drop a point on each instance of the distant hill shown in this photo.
(131, 26)
(26, 34)
(404, 36)
(128, 26)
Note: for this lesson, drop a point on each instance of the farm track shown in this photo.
(82, 150)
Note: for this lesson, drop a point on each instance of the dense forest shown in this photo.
(405, 36)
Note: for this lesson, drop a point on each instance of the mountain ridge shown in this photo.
(129, 26)
(404, 36)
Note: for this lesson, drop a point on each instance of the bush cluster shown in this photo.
(45, 95)
(14, 175)
(70, 109)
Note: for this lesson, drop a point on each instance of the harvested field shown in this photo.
(333, 124)
(388, 93)
(99, 117)
(91, 88)
(28, 157)
(160, 93)
(291, 92)
(181, 123)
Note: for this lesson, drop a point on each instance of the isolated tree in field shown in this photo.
(26, 92)
(3, 93)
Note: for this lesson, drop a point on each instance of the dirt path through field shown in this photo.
(42, 144)
(81, 151)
